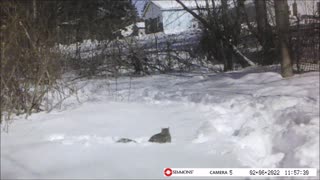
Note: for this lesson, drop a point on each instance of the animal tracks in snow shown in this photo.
(88, 140)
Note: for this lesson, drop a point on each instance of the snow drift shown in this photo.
(237, 119)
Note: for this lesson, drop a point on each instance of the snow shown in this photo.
(248, 118)
(127, 31)
(140, 24)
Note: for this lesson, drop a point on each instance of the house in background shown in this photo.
(308, 12)
(169, 17)
(307, 7)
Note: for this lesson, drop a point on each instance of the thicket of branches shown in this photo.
(222, 31)
(31, 63)
(29, 67)
(228, 24)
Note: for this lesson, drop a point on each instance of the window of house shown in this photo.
(153, 25)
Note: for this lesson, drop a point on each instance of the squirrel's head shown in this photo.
(165, 130)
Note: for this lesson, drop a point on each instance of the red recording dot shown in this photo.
(167, 172)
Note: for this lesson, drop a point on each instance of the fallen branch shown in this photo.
(236, 51)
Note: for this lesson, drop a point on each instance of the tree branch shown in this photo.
(208, 26)
(201, 19)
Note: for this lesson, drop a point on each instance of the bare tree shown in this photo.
(282, 21)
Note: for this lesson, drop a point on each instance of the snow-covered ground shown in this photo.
(249, 118)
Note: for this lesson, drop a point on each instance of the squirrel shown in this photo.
(162, 137)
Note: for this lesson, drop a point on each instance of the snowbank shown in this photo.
(273, 121)
(238, 119)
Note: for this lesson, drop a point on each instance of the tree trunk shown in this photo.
(264, 31)
(282, 20)
(34, 9)
(228, 63)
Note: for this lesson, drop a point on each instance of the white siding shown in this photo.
(177, 21)
(174, 19)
